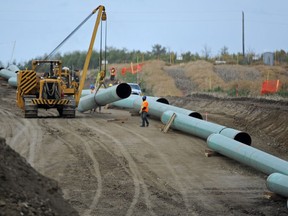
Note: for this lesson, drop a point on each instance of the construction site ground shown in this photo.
(106, 164)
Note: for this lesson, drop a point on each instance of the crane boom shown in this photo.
(55, 87)
(101, 16)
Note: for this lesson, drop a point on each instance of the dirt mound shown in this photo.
(23, 191)
(203, 76)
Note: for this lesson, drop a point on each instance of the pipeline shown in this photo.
(128, 102)
(158, 106)
(278, 183)
(203, 129)
(12, 81)
(247, 155)
(104, 97)
(9, 72)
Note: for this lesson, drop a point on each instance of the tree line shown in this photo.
(113, 55)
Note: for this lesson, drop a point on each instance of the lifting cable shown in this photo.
(58, 47)
(105, 48)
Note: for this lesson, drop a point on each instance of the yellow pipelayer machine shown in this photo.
(54, 87)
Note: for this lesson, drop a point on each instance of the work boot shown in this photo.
(147, 125)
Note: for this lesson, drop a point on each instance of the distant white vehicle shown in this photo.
(136, 90)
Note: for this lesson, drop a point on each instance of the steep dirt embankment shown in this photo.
(24, 191)
(265, 120)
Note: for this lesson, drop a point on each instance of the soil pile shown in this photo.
(23, 191)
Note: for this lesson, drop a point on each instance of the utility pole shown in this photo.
(243, 37)
(12, 52)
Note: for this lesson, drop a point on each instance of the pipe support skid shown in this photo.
(104, 97)
(158, 107)
(278, 183)
(247, 155)
(202, 128)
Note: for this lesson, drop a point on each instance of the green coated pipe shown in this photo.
(104, 97)
(278, 183)
(201, 128)
(237, 135)
(5, 73)
(12, 81)
(157, 108)
(247, 155)
(129, 102)
(8, 72)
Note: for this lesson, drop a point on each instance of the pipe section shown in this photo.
(278, 183)
(237, 135)
(201, 128)
(9, 72)
(247, 155)
(85, 92)
(104, 97)
(5, 73)
(13, 68)
(12, 81)
(128, 102)
(158, 108)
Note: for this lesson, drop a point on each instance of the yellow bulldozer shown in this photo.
(54, 86)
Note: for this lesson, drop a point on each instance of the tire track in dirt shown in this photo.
(166, 161)
(78, 138)
(33, 134)
(7, 124)
(26, 136)
(136, 175)
(132, 166)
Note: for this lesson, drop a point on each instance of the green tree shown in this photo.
(158, 50)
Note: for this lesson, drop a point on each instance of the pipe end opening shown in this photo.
(123, 90)
(243, 138)
(196, 115)
(163, 100)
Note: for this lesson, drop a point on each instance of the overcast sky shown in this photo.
(32, 28)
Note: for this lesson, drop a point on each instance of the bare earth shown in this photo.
(106, 164)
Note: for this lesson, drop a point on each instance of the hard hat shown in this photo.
(144, 98)
(92, 86)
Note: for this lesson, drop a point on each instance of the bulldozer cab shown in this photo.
(50, 84)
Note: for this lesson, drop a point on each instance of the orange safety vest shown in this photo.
(145, 106)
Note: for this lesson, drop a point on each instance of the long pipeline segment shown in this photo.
(158, 106)
(103, 97)
(202, 128)
(129, 102)
(247, 155)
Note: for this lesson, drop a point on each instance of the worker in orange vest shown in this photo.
(144, 111)
(112, 74)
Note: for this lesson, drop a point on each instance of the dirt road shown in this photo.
(107, 165)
